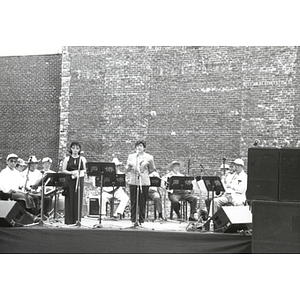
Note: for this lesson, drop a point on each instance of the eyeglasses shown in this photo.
(13, 161)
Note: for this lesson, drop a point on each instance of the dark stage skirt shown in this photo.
(71, 200)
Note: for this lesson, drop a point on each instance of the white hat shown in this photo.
(154, 174)
(224, 166)
(239, 161)
(21, 162)
(116, 161)
(32, 159)
(12, 155)
(47, 159)
(174, 162)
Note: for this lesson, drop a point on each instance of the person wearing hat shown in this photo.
(47, 162)
(227, 172)
(235, 189)
(11, 184)
(32, 175)
(176, 195)
(10, 178)
(139, 165)
(117, 192)
(21, 165)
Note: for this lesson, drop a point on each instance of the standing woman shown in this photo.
(140, 165)
(71, 167)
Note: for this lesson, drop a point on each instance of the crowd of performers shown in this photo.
(19, 182)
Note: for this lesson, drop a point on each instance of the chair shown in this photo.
(111, 206)
(183, 209)
(148, 202)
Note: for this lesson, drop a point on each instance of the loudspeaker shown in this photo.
(276, 227)
(94, 206)
(13, 214)
(289, 175)
(273, 174)
(232, 218)
(263, 174)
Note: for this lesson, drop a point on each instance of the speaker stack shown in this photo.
(274, 174)
(12, 214)
(274, 189)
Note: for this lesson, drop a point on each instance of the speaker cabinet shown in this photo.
(289, 175)
(263, 174)
(232, 218)
(274, 174)
(276, 227)
(13, 214)
(94, 206)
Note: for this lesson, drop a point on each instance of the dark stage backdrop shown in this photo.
(43, 240)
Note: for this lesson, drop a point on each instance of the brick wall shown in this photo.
(203, 102)
(30, 88)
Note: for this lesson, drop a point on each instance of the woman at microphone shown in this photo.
(74, 166)
(140, 164)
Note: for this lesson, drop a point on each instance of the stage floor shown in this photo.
(119, 237)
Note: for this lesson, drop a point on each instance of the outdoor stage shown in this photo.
(118, 237)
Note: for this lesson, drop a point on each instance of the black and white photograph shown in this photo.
(151, 140)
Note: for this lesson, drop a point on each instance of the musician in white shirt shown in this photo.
(32, 175)
(235, 189)
(11, 185)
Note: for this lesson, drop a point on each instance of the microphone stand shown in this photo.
(100, 206)
(224, 159)
(139, 190)
(42, 198)
(77, 189)
(27, 175)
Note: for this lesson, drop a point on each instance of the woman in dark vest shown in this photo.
(74, 183)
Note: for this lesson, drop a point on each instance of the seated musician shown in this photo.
(47, 163)
(117, 192)
(49, 190)
(21, 165)
(226, 174)
(235, 188)
(11, 183)
(32, 176)
(186, 195)
(155, 195)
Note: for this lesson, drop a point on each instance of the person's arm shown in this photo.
(151, 164)
(130, 165)
(240, 184)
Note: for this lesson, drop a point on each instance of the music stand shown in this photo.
(51, 179)
(56, 180)
(213, 184)
(107, 174)
(181, 183)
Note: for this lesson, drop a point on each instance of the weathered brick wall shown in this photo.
(30, 88)
(203, 102)
(270, 96)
